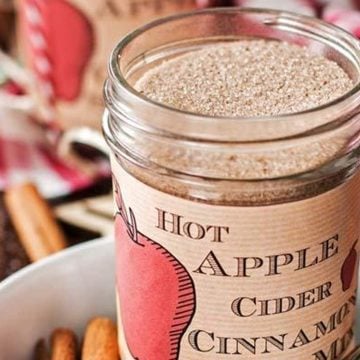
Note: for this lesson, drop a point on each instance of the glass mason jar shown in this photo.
(235, 236)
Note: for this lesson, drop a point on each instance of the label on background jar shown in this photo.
(198, 281)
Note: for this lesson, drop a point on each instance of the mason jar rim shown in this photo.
(119, 82)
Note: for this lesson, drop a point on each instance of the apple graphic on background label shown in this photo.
(61, 41)
(71, 42)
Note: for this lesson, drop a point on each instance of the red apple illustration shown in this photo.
(157, 294)
(60, 42)
(349, 267)
(70, 40)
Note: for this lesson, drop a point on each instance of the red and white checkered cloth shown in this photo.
(25, 155)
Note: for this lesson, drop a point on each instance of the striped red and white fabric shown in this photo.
(39, 47)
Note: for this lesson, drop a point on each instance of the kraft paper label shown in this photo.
(198, 281)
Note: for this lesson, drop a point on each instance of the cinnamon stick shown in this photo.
(63, 345)
(100, 341)
(34, 221)
(40, 351)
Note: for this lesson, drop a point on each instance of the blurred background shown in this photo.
(53, 59)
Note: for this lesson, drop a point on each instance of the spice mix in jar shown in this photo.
(234, 140)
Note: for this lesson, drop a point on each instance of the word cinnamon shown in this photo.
(34, 221)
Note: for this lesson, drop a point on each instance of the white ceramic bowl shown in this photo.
(63, 290)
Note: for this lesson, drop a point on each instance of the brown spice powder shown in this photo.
(246, 78)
